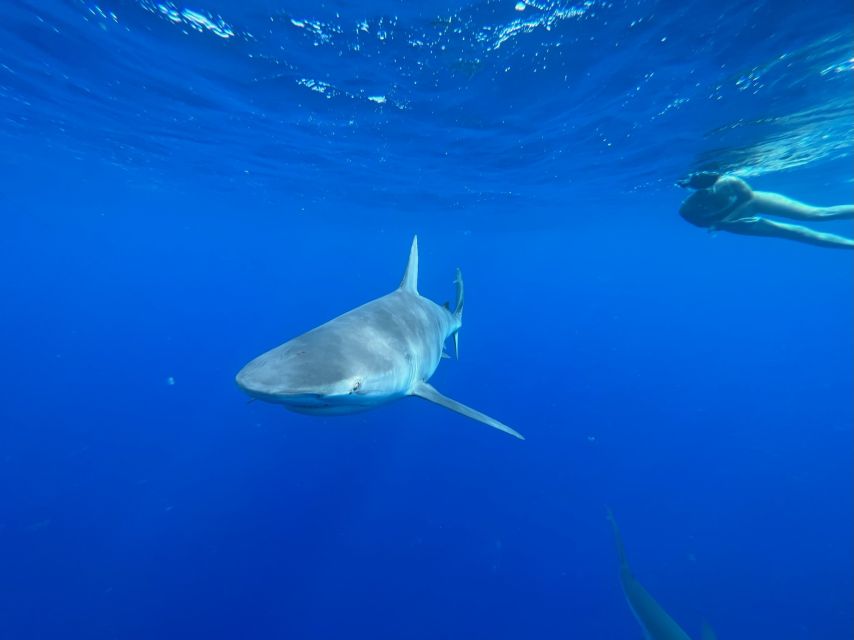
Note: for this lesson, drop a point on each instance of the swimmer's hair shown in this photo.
(707, 207)
(704, 208)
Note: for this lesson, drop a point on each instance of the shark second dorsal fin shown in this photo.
(426, 391)
(410, 276)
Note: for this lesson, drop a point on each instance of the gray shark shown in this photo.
(654, 621)
(379, 352)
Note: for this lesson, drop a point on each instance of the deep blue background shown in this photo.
(699, 386)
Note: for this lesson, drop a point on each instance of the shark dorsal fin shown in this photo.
(410, 276)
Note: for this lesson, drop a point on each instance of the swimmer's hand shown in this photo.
(699, 180)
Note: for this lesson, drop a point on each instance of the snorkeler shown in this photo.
(727, 203)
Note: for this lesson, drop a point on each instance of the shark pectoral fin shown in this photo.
(706, 632)
(428, 392)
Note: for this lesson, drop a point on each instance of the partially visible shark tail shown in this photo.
(458, 311)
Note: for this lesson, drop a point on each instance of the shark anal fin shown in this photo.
(428, 392)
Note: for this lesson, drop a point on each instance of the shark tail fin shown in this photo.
(458, 311)
(410, 276)
(426, 391)
(618, 540)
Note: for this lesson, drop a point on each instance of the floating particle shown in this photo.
(520, 6)
(170, 381)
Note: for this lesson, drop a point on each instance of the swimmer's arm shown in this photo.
(772, 229)
(775, 204)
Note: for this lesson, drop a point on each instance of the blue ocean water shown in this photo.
(185, 186)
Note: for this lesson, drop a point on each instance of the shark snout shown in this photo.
(253, 386)
(261, 389)
(246, 382)
(283, 381)
(300, 400)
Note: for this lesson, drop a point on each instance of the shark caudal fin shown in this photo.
(426, 391)
(458, 311)
(410, 276)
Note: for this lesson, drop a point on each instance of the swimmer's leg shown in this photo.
(761, 227)
(774, 204)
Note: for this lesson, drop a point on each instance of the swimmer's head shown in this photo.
(706, 207)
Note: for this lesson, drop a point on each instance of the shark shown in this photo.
(369, 356)
(655, 622)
